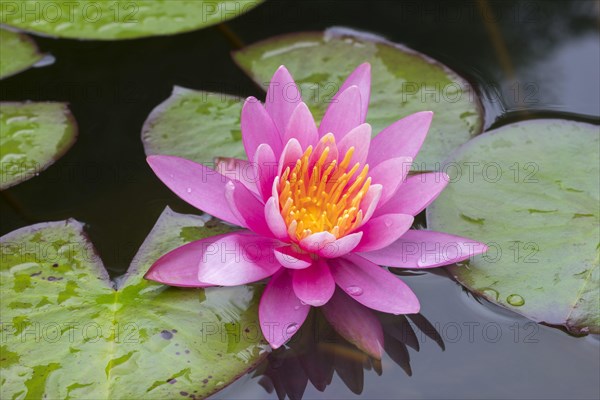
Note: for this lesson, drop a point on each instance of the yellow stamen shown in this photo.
(325, 196)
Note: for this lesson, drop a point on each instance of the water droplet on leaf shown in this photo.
(515, 300)
(491, 293)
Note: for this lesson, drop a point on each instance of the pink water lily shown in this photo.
(323, 206)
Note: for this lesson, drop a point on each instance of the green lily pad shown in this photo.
(32, 137)
(68, 333)
(403, 82)
(123, 19)
(530, 190)
(195, 125)
(17, 53)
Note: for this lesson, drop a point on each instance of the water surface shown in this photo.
(543, 60)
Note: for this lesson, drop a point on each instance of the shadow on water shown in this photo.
(317, 352)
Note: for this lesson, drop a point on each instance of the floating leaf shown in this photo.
(67, 333)
(195, 125)
(403, 82)
(32, 137)
(123, 19)
(530, 191)
(18, 52)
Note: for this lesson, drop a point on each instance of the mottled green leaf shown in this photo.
(32, 137)
(531, 191)
(122, 19)
(403, 82)
(68, 333)
(17, 53)
(195, 125)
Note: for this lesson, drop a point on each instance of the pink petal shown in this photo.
(290, 154)
(317, 241)
(373, 286)
(369, 203)
(258, 128)
(326, 245)
(247, 208)
(361, 78)
(402, 138)
(343, 115)
(280, 312)
(390, 174)
(381, 231)
(356, 323)
(341, 246)
(236, 259)
(283, 96)
(360, 139)
(238, 169)
(415, 194)
(274, 219)
(179, 267)
(290, 258)
(314, 285)
(425, 249)
(200, 186)
(302, 127)
(265, 164)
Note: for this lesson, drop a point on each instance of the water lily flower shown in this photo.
(323, 206)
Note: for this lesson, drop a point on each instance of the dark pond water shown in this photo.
(527, 59)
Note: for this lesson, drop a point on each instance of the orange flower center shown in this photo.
(318, 195)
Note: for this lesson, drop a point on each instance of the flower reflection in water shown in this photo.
(317, 352)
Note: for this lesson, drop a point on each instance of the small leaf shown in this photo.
(114, 20)
(403, 82)
(32, 137)
(18, 52)
(67, 333)
(195, 125)
(530, 190)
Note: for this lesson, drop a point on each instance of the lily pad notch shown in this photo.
(141, 340)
